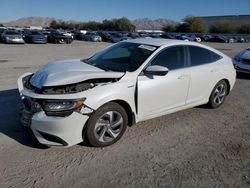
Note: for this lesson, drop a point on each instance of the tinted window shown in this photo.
(200, 56)
(172, 58)
(11, 33)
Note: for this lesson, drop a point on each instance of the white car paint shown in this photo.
(179, 89)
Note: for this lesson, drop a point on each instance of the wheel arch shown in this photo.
(128, 109)
(228, 85)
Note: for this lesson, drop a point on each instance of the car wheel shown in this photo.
(61, 41)
(106, 125)
(218, 94)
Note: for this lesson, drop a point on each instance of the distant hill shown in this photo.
(144, 23)
(31, 21)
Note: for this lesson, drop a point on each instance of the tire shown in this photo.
(61, 41)
(100, 132)
(218, 95)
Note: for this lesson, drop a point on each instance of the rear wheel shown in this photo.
(106, 125)
(61, 41)
(218, 94)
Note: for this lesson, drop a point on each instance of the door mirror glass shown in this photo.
(156, 70)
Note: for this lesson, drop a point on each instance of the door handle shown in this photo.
(183, 76)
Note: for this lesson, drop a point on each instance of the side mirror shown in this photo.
(156, 70)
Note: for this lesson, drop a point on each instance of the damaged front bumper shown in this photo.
(52, 130)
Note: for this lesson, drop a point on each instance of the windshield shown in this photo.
(122, 57)
(35, 33)
(11, 33)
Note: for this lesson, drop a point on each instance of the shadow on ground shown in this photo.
(10, 126)
(243, 76)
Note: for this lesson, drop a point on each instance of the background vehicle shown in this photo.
(92, 36)
(217, 39)
(33, 36)
(59, 38)
(242, 61)
(12, 36)
(129, 82)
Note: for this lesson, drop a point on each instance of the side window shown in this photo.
(200, 56)
(172, 58)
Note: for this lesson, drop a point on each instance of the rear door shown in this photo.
(205, 69)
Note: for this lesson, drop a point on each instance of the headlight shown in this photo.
(237, 58)
(62, 107)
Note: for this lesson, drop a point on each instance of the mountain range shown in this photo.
(141, 23)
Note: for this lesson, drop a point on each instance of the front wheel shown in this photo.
(106, 125)
(218, 94)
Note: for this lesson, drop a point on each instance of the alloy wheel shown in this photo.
(219, 94)
(108, 126)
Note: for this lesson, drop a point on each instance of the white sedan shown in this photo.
(95, 99)
(242, 61)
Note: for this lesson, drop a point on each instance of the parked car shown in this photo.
(95, 99)
(1, 32)
(184, 37)
(116, 37)
(79, 34)
(33, 36)
(242, 61)
(106, 37)
(195, 38)
(59, 38)
(92, 36)
(133, 35)
(12, 36)
(168, 36)
(217, 39)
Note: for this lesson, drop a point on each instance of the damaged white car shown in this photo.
(95, 99)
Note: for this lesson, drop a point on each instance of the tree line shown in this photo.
(120, 24)
(193, 24)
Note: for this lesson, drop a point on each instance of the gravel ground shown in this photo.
(198, 147)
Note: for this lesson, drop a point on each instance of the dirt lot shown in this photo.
(198, 147)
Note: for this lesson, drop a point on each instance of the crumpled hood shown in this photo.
(68, 72)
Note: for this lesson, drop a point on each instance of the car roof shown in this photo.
(162, 42)
(156, 41)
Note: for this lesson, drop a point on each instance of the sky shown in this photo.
(98, 10)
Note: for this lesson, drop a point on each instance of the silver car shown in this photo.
(12, 36)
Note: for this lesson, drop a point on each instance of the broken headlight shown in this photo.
(62, 107)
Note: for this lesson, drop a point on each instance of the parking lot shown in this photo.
(199, 147)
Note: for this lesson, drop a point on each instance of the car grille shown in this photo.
(246, 61)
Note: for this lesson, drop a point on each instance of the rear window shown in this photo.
(200, 56)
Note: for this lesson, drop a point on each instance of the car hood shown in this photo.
(69, 72)
(38, 36)
(245, 54)
(13, 36)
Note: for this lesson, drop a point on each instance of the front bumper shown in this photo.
(58, 131)
(52, 130)
(39, 41)
(15, 41)
(242, 67)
